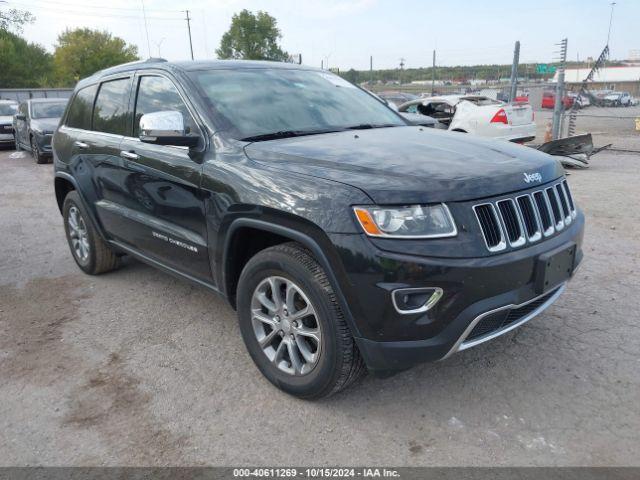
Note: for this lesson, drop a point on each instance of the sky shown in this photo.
(345, 33)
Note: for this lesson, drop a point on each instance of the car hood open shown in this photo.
(402, 165)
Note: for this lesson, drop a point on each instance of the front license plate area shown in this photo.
(554, 267)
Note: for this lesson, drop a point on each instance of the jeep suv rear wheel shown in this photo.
(293, 326)
(89, 251)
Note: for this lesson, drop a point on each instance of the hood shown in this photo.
(45, 124)
(403, 165)
(6, 119)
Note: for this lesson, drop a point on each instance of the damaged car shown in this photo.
(478, 115)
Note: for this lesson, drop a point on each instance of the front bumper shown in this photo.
(6, 137)
(474, 289)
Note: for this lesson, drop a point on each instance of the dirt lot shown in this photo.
(138, 368)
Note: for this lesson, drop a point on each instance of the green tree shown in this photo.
(14, 18)
(252, 37)
(82, 52)
(23, 64)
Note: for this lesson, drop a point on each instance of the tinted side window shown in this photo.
(156, 94)
(110, 111)
(80, 110)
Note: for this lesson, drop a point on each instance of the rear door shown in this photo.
(158, 203)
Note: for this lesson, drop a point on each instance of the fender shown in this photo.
(304, 240)
(90, 211)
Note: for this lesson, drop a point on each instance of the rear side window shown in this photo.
(156, 94)
(81, 107)
(110, 111)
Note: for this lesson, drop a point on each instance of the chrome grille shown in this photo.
(490, 225)
(527, 218)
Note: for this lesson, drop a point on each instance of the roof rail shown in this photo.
(135, 62)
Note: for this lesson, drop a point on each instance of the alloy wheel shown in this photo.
(286, 325)
(78, 235)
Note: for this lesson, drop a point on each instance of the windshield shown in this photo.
(259, 102)
(48, 109)
(8, 109)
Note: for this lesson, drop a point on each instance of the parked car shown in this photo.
(579, 100)
(397, 98)
(7, 109)
(618, 99)
(422, 120)
(549, 100)
(34, 124)
(478, 115)
(412, 118)
(345, 238)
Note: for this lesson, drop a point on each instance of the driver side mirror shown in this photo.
(166, 128)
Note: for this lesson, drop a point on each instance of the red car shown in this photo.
(549, 100)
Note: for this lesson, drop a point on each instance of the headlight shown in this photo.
(415, 221)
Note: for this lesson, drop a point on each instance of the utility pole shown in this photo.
(433, 74)
(514, 72)
(401, 68)
(146, 28)
(188, 19)
(371, 69)
(613, 4)
(558, 106)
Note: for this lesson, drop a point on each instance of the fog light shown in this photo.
(415, 300)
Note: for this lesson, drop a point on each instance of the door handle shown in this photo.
(81, 144)
(129, 155)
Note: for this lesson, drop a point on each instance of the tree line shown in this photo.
(78, 53)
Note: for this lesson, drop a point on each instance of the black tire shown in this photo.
(339, 363)
(100, 258)
(37, 156)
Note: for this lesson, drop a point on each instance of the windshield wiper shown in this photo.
(285, 134)
(367, 126)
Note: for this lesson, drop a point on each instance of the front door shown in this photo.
(164, 209)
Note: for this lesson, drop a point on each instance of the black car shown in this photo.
(346, 238)
(34, 124)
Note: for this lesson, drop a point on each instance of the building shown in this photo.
(622, 79)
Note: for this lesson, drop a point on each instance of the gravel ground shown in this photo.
(138, 368)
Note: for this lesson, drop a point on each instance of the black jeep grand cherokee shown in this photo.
(346, 239)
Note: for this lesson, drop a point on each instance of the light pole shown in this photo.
(159, 44)
(146, 28)
(613, 4)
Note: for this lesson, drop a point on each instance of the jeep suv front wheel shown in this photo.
(293, 326)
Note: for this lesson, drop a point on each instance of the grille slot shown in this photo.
(529, 218)
(555, 207)
(544, 212)
(563, 203)
(490, 226)
(511, 222)
(569, 197)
